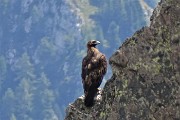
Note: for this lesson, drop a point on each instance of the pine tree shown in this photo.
(7, 104)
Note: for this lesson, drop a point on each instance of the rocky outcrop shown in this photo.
(146, 74)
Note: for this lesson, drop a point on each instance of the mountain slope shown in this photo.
(146, 74)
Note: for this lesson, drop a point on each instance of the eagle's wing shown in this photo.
(93, 70)
(99, 70)
(103, 65)
(84, 69)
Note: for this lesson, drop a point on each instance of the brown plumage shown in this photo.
(94, 67)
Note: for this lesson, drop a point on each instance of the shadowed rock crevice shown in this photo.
(146, 73)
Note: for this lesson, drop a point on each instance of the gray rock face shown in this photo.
(146, 74)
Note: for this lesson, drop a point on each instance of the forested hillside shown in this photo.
(42, 44)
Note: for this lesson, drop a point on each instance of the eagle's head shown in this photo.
(92, 43)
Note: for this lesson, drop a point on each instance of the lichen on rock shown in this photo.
(146, 73)
(78, 111)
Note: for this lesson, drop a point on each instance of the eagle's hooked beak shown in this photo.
(97, 42)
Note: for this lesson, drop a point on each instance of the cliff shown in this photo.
(146, 74)
(42, 43)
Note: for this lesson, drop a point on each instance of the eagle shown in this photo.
(94, 67)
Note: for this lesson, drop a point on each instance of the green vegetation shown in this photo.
(48, 47)
(84, 9)
(3, 66)
(108, 21)
(31, 97)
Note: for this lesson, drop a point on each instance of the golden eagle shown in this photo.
(94, 67)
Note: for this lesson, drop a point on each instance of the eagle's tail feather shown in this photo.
(89, 99)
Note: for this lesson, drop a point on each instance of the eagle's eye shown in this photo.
(93, 41)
